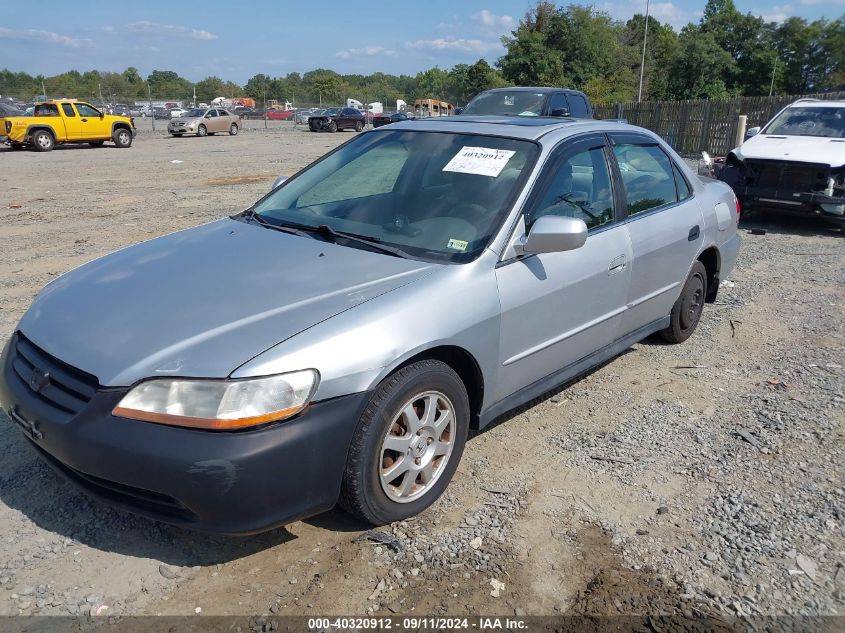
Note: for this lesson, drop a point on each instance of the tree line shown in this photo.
(726, 54)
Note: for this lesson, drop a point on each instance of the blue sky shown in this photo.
(236, 40)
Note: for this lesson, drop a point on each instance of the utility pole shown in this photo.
(642, 63)
(152, 112)
(774, 68)
(100, 90)
(43, 90)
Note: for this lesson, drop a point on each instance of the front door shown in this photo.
(665, 223)
(92, 123)
(558, 308)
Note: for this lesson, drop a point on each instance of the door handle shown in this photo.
(617, 264)
(694, 232)
(84, 120)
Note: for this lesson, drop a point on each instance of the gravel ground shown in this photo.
(704, 478)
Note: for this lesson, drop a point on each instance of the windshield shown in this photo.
(436, 196)
(515, 103)
(812, 121)
(194, 113)
(331, 112)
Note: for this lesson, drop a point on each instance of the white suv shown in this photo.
(795, 163)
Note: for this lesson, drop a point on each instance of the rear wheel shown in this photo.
(202, 130)
(686, 312)
(122, 137)
(43, 141)
(233, 129)
(407, 445)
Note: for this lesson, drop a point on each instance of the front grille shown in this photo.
(145, 501)
(65, 389)
(784, 175)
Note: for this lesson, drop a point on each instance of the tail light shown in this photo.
(738, 208)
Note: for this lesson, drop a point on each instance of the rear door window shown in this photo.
(578, 106)
(647, 175)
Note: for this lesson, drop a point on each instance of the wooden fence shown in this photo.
(693, 126)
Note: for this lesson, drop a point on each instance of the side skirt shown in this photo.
(544, 385)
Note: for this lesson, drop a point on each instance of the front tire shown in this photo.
(202, 131)
(122, 138)
(686, 312)
(233, 129)
(332, 127)
(407, 445)
(43, 141)
(359, 125)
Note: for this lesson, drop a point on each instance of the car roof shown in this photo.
(542, 89)
(816, 103)
(528, 128)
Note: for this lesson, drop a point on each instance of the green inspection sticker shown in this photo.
(458, 245)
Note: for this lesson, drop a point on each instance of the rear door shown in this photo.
(73, 127)
(665, 224)
(558, 308)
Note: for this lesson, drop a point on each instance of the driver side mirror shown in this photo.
(278, 181)
(753, 131)
(555, 234)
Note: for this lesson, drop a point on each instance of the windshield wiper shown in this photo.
(250, 214)
(371, 242)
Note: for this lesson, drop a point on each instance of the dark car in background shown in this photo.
(161, 113)
(334, 119)
(391, 117)
(8, 109)
(530, 102)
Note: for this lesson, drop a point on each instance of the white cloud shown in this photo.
(490, 20)
(155, 28)
(667, 12)
(453, 44)
(366, 51)
(41, 36)
(777, 13)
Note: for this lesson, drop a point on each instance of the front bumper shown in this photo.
(224, 482)
(181, 129)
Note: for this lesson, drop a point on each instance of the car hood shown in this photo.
(185, 120)
(806, 149)
(203, 301)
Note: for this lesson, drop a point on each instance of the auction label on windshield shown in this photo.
(482, 161)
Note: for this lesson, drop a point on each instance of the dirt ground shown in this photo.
(704, 478)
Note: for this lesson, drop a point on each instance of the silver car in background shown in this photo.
(205, 122)
(336, 341)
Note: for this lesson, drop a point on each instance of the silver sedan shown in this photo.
(205, 122)
(336, 341)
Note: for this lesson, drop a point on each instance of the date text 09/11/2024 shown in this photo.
(416, 623)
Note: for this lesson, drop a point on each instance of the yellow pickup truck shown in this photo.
(66, 121)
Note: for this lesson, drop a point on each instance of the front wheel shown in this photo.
(359, 125)
(686, 312)
(233, 129)
(332, 126)
(122, 138)
(407, 445)
(202, 131)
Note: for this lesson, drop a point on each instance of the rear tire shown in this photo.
(122, 138)
(233, 129)
(43, 141)
(686, 313)
(407, 445)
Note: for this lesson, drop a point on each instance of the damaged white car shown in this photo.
(796, 162)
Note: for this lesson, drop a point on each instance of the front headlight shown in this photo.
(219, 404)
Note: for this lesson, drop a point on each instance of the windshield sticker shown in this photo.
(457, 245)
(509, 100)
(482, 161)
